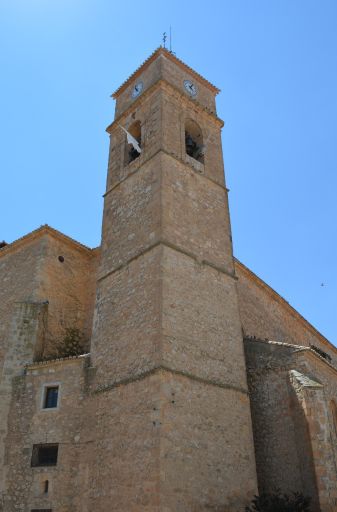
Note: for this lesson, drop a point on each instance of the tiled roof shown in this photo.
(173, 58)
(44, 229)
(56, 360)
(266, 287)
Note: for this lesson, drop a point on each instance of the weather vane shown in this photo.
(170, 40)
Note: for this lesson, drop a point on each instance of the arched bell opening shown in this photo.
(131, 152)
(194, 144)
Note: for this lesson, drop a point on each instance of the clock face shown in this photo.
(137, 89)
(190, 87)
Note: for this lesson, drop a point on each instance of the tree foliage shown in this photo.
(280, 502)
(72, 343)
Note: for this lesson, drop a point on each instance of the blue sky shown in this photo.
(276, 64)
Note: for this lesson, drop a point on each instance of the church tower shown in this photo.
(170, 383)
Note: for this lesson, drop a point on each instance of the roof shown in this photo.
(43, 230)
(297, 349)
(276, 296)
(173, 58)
(57, 360)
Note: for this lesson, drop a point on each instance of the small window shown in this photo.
(44, 455)
(51, 395)
(46, 486)
(41, 510)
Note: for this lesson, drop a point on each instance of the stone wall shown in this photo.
(24, 339)
(127, 337)
(30, 270)
(30, 424)
(69, 286)
(266, 315)
(167, 317)
(47, 284)
(294, 436)
(19, 273)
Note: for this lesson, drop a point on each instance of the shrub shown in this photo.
(73, 343)
(280, 502)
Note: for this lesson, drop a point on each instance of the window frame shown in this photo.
(45, 388)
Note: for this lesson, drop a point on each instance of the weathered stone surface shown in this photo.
(160, 416)
(294, 434)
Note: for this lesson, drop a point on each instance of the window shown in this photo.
(194, 145)
(41, 510)
(130, 152)
(44, 455)
(46, 486)
(51, 394)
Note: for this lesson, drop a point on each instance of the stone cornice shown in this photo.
(307, 351)
(163, 84)
(174, 247)
(175, 157)
(166, 369)
(298, 351)
(38, 365)
(162, 51)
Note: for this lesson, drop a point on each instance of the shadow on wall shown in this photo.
(304, 448)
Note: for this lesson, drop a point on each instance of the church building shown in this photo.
(196, 385)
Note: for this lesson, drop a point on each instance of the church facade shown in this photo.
(199, 385)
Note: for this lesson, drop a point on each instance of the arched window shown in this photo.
(194, 145)
(130, 152)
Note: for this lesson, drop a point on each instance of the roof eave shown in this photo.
(173, 58)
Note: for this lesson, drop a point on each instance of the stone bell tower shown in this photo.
(167, 345)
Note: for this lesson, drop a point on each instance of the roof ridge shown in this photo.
(281, 299)
(174, 58)
(43, 228)
(298, 348)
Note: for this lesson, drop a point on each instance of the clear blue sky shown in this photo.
(276, 64)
